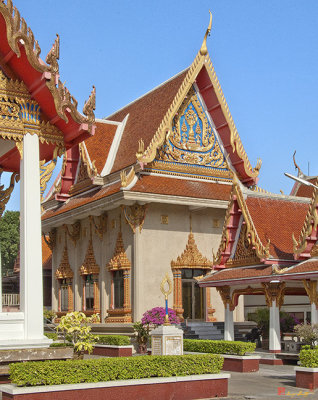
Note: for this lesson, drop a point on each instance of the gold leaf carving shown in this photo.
(135, 216)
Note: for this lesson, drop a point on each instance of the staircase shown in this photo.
(214, 330)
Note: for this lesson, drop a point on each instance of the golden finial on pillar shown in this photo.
(166, 280)
(204, 49)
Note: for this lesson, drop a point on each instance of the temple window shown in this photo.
(90, 274)
(119, 294)
(64, 276)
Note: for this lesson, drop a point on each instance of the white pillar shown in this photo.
(31, 282)
(314, 314)
(137, 287)
(228, 324)
(274, 328)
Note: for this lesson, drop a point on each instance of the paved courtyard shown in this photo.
(266, 384)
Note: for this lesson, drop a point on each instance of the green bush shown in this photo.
(58, 344)
(114, 340)
(110, 369)
(308, 357)
(218, 346)
(51, 335)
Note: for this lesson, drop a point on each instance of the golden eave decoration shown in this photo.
(89, 265)
(119, 259)
(64, 271)
(18, 33)
(310, 224)
(251, 235)
(5, 194)
(147, 155)
(191, 257)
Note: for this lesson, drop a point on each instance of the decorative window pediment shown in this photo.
(89, 266)
(64, 270)
(119, 260)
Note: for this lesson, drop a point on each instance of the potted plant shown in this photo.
(75, 328)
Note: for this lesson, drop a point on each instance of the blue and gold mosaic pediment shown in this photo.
(192, 147)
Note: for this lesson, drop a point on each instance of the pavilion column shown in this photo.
(225, 293)
(228, 323)
(274, 295)
(31, 282)
(311, 289)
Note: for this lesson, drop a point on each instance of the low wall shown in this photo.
(107, 350)
(306, 377)
(241, 363)
(177, 388)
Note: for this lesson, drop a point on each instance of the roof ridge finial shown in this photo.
(300, 173)
(204, 49)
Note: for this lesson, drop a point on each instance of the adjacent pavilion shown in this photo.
(39, 121)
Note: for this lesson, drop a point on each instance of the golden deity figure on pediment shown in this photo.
(192, 140)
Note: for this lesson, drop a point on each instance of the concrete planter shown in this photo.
(177, 387)
(241, 363)
(306, 377)
(108, 350)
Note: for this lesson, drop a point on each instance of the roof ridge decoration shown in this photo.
(5, 194)
(251, 234)
(191, 256)
(310, 224)
(18, 33)
(202, 58)
(119, 260)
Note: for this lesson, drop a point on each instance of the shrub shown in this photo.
(218, 346)
(51, 335)
(75, 327)
(142, 336)
(59, 344)
(308, 357)
(49, 315)
(106, 369)
(308, 333)
(156, 316)
(115, 340)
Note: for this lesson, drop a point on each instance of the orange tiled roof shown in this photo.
(277, 219)
(303, 190)
(182, 187)
(145, 116)
(238, 273)
(98, 146)
(46, 255)
(86, 198)
(310, 265)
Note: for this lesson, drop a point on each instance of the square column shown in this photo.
(314, 314)
(31, 281)
(274, 329)
(228, 323)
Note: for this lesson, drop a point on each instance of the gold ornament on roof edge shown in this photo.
(6, 193)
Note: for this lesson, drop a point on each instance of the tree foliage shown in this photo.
(9, 239)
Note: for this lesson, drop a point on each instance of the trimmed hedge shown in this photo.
(51, 335)
(113, 340)
(110, 369)
(308, 357)
(218, 346)
(61, 344)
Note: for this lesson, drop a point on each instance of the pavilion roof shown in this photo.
(20, 60)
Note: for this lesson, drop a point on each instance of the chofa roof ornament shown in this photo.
(204, 49)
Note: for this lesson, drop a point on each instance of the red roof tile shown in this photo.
(238, 273)
(308, 266)
(145, 116)
(300, 190)
(277, 219)
(182, 187)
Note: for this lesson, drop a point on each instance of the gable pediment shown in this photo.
(192, 146)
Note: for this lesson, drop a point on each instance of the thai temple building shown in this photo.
(145, 196)
(162, 186)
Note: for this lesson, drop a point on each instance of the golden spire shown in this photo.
(119, 259)
(204, 49)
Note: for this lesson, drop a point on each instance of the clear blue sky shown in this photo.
(265, 54)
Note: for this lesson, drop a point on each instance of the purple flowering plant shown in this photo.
(156, 316)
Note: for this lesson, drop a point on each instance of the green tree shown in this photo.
(9, 239)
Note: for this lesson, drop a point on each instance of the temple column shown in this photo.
(225, 293)
(274, 295)
(137, 285)
(228, 323)
(274, 328)
(31, 283)
(311, 290)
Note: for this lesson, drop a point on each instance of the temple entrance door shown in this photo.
(192, 295)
